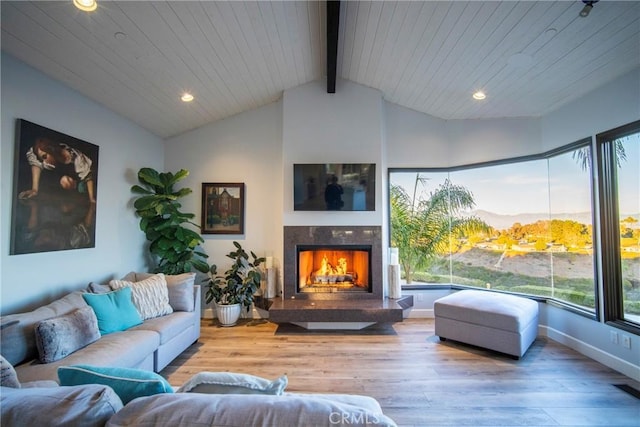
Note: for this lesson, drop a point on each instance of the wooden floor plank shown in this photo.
(418, 380)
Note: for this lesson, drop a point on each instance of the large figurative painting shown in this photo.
(222, 208)
(54, 191)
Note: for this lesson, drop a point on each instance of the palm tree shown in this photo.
(582, 156)
(421, 228)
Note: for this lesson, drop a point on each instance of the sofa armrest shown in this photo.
(197, 311)
(87, 405)
(197, 298)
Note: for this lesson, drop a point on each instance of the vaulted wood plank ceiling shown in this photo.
(138, 57)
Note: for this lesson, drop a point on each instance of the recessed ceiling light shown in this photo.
(186, 97)
(479, 95)
(86, 5)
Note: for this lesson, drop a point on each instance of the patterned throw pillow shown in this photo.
(150, 296)
(8, 376)
(180, 286)
(58, 337)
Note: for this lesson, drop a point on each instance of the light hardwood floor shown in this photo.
(418, 380)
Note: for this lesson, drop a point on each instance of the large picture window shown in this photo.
(524, 226)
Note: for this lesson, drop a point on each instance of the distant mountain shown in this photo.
(503, 222)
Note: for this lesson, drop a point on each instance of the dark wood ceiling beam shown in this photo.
(333, 22)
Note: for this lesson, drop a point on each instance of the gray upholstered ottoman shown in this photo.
(500, 322)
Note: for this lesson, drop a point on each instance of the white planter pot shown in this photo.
(228, 314)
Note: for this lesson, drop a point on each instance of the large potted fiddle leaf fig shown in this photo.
(173, 244)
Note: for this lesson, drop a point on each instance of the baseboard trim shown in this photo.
(607, 359)
(420, 313)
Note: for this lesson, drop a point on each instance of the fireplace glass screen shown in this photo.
(340, 268)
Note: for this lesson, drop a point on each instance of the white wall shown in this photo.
(417, 140)
(414, 139)
(343, 127)
(244, 148)
(31, 279)
(476, 141)
(608, 107)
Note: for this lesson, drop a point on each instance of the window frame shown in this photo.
(610, 253)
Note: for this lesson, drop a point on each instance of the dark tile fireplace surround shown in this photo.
(335, 308)
(331, 237)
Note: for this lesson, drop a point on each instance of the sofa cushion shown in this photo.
(150, 296)
(232, 383)
(126, 382)
(115, 310)
(180, 288)
(129, 348)
(60, 336)
(87, 406)
(169, 326)
(195, 409)
(18, 341)
(8, 376)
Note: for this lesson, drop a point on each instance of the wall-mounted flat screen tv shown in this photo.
(334, 187)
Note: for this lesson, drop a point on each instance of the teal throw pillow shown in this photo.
(128, 383)
(114, 310)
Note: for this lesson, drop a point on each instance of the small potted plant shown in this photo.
(234, 289)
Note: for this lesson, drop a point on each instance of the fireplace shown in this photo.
(334, 268)
(332, 262)
(332, 279)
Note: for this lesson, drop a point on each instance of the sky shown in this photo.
(524, 187)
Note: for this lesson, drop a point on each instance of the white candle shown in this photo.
(393, 256)
(269, 262)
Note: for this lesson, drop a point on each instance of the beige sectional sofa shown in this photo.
(30, 394)
(149, 346)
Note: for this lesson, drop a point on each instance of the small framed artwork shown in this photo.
(55, 189)
(222, 208)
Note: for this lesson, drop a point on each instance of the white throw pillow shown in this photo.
(232, 383)
(180, 286)
(150, 296)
